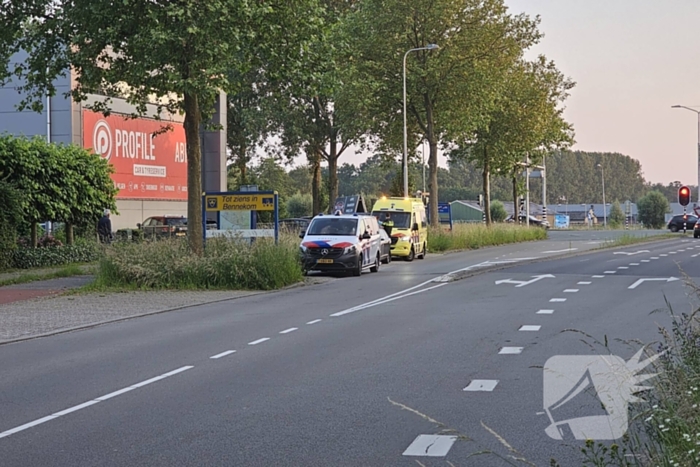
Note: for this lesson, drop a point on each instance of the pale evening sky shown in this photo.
(632, 60)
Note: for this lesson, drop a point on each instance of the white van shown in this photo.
(341, 242)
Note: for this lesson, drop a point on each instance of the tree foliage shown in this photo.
(652, 209)
(178, 54)
(498, 212)
(451, 90)
(10, 218)
(299, 205)
(57, 182)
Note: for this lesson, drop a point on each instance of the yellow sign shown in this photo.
(250, 202)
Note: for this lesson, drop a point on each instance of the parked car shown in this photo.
(341, 243)
(676, 223)
(385, 249)
(533, 221)
(164, 227)
(294, 224)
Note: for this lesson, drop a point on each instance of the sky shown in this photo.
(631, 61)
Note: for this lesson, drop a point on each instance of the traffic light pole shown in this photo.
(685, 220)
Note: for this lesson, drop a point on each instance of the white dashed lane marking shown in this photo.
(222, 354)
(314, 321)
(554, 300)
(570, 290)
(286, 331)
(259, 341)
(545, 312)
(482, 385)
(510, 350)
(430, 446)
(597, 277)
(584, 283)
(528, 327)
(610, 272)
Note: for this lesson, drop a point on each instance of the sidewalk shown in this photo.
(45, 288)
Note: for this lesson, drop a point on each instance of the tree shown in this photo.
(10, 218)
(652, 209)
(449, 90)
(617, 217)
(178, 54)
(498, 212)
(316, 113)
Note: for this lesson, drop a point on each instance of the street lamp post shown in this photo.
(698, 114)
(405, 131)
(605, 210)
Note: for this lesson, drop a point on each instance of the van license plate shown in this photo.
(325, 261)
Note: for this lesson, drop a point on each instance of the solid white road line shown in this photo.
(259, 341)
(482, 385)
(376, 302)
(584, 283)
(554, 300)
(91, 402)
(430, 446)
(314, 321)
(570, 290)
(286, 331)
(560, 251)
(545, 312)
(222, 354)
(529, 327)
(510, 350)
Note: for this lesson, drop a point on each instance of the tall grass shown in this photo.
(473, 236)
(226, 264)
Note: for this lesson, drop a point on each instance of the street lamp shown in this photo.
(698, 113)
(405, 131)
(605, 213)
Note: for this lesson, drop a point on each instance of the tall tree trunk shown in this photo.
(70, 237)
(333, 172)
(193, 119)
(486, 175)
(243, 164)
(34, 234)
(316, 180)
(432, 165)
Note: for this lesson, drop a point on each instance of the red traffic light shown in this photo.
(684, 196)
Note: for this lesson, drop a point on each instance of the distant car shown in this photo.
(533, 221)
(385, 249)
(696, 230)
(164, 227)
(676, 223)
(294, 224)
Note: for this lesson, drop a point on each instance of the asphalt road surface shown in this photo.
(355, 371)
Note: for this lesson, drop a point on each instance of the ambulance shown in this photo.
(409, 232)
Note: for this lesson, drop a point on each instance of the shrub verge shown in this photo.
(473, 236)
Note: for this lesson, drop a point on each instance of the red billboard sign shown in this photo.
(147, 166)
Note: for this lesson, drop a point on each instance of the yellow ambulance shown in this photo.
(406, 222)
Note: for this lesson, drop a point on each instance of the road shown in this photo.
(350, 372)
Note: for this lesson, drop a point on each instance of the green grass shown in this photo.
(474, 236)
(227, 264)
(69, 270)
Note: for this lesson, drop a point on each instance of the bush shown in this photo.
(498, 211)
(300, 205)
(617, 217)
(226, 264)
(80, 252)
(473, 236)
(10, 216)
(652, 209)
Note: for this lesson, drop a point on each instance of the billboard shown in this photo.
(147, 166)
